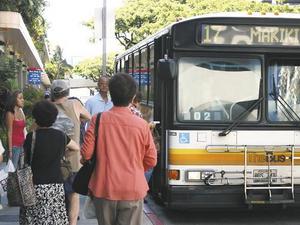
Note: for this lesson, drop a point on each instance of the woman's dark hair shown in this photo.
(12, 101)
(122, 88)
(44, 113)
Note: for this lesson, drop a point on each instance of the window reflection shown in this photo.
(211, 89)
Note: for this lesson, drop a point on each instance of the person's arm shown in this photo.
(84, 114)
(81, 112)
(87, 148)
(9, 125)
(72, 145)
(150, 158)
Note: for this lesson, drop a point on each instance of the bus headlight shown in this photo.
(193, 176)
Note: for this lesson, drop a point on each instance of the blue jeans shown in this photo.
(17, 157)
(148, 174)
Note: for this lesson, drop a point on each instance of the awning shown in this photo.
(15, 34)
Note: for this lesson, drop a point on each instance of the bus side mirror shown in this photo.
(166, 69)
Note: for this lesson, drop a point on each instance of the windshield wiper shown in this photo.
(288, 112)
(238, 120)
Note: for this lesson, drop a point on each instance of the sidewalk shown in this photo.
(9, 215)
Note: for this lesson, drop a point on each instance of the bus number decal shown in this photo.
(197, 116)
(206, 115)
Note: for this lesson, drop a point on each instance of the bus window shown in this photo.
(151, 74)
(218, 89)
(284, 90)
(136, 69)
(117, 66)
(144, 75)
(130, 63)
(121, 66)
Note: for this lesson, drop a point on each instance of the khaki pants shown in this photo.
(110, 212)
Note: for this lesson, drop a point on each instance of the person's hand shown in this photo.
(152, 125)
(82, 161)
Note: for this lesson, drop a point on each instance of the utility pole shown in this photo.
(104, 38)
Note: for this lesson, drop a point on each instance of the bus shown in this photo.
(224, 90)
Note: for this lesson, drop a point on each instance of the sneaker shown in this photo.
(1, 207)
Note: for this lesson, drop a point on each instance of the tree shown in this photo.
(58, 67)
(138, 19)
(91, 68)
(141, 18)
(90, 24)
(32, 14)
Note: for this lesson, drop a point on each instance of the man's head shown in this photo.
(122, 88)
(103, 84)
(59, 89)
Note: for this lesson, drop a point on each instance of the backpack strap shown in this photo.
(96, 136)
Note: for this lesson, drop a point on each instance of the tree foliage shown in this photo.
(90, 24)
(138, 19)
(91, 68)
(32, 14)
(58, 67)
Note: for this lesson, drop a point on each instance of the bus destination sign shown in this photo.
(249, 35)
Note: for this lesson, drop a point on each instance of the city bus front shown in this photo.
(234, 138)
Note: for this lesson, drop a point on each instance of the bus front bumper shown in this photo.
(192, 197)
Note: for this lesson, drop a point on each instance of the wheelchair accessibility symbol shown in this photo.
(184, 138)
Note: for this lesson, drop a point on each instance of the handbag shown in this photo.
(3, 176)
(82, 178)
(20, 187)
(65, 166)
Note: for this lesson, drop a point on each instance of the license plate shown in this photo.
(262, 176)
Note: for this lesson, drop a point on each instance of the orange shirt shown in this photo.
(125, 151)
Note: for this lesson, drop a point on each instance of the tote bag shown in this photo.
(20, 187)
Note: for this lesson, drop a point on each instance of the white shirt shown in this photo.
(96, 104)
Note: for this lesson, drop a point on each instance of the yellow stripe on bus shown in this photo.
(203, 157)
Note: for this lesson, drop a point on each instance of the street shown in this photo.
(277, 216)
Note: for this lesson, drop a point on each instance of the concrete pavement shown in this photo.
(9, 215)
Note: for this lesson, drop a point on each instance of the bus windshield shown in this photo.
(284, 90)
(218, 89)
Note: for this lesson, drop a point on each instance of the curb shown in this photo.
(151, 215)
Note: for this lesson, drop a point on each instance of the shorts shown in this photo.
(68, 184)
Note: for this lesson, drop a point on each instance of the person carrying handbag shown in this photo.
(124, 152)
(49, 148)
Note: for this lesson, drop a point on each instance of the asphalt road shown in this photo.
(260, 216)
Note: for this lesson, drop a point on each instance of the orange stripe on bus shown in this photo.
(203, 157)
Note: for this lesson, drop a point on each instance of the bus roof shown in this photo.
(168, 28)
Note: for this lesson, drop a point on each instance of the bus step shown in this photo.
(260, 197)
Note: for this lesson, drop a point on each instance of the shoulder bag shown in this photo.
(20, 187)
(82, 178)
(65, 165)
